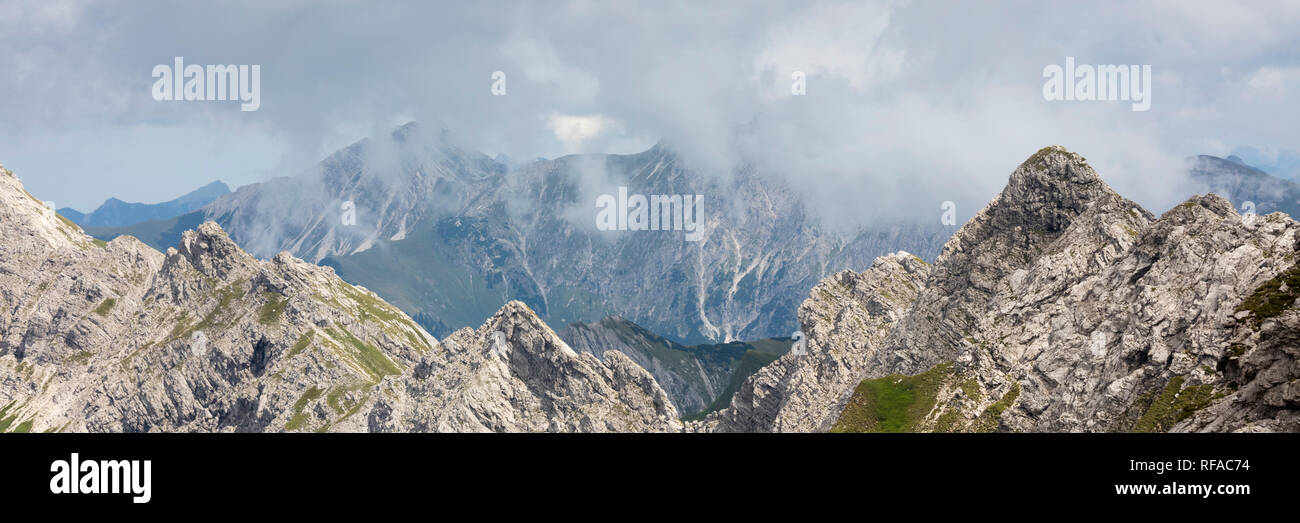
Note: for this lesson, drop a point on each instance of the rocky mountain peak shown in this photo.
(25, 218)
(513, 374)
(405, 130)
(1046, 192)
(1050, 193)
(523, 336)
(120, 338)
(1042, 198)
(211, 251)
(1055, 162)
(1063, 306)
(1194, 207)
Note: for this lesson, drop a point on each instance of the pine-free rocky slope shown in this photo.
(118, 337)
(1061, 306)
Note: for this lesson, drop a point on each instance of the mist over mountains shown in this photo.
(428, 212)
(1242, 184)
(1055, 227)
(1283, 163)
(1062, 306)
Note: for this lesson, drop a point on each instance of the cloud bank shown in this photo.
(907, 104)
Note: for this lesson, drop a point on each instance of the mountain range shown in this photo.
(118, 337)
(1061, 306)
(117, 213)
(428, 212)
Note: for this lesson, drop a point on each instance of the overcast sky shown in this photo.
(908, 104)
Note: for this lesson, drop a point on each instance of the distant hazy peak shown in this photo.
(115, 212)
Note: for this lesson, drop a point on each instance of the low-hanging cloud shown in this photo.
(907, 104)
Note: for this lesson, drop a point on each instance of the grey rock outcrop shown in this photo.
(846, 319)
(118, 337)
(1062, 306)
(528, 380)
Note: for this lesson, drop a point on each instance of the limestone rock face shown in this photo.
(1062, 306)
(845, 320)
(514, 374)
(118, 337)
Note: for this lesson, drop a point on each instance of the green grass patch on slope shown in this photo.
(337, 398)
(273, 310)
(1273, 297)
(301, 344)
(79, 358)
(371, 306)
(1175, 403)
(373, 361)
(5, 421)
(225, 296)
(299, 417)
(217, 317)
(105, 307)
(894, 403)
(375, 310)
(988, 420)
